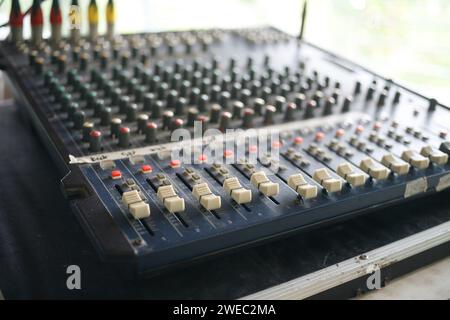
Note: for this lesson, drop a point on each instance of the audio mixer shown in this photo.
(316, 137)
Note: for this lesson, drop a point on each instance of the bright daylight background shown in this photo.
(407, 40)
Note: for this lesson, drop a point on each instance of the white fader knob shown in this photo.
(138, 208)
(323, 177)
(233, 187)
(373, 169)
(264, 185)
(303, 188)
(206, 198)
(355, 179)
(415, 159)
(436, 156)
(399, 166)
(172, 202)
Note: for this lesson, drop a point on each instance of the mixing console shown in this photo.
(140, 126)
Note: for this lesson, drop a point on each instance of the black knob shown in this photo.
(265, 93)
(151, 132)
(279, 103)
(66, 100)
(245, 96)
(116, 123)
(162, 91)
(357, 90)
(95, 138)
(215, 93)
(192, 116)
(172, 98)
(148, 101)
(238, 106)
(370, 92)
(98, 107)
(397, 97)
(432, 105)
(71, 110)
(289, 114)
(214, 116)
(87, 128)
(236, 91)
(347, 104)
(310, 107)
(318, 97)
(142, 122)
(205, 86)
(132, 112)
(255, 88)
(336, 95)
(225, 121)
(124, 137)
(139, 93)
(176, 81)
(193, 98)
(248, 115)
(157, 108)
(269, 115)
(224, 99)
(299, 100)
(79, 118)
(124, 60)
(180, 106)
(328, 109)
(258, 105)
(105, 116)
(203, 103)
(123, 104)
(185, 88)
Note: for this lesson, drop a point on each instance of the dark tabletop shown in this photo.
(40, 237)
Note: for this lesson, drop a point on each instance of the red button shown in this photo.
(175, 163)
(298, 140)
(359, 129)
(152, 125)
(376, 126)
(95, 134)
(178, 123)
(320, 136)
(125, 130)
(339, 133)
(252, 149)
(202, 118)
(116, 174)
(146, 168)
(228, 153)
(276, 144)
(202, 158)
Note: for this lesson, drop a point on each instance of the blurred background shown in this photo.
(406, 40)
